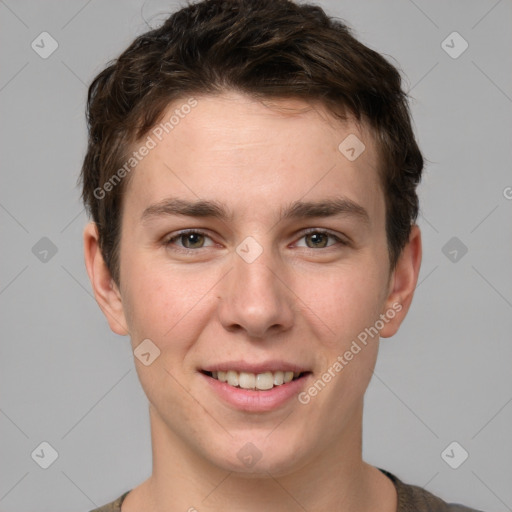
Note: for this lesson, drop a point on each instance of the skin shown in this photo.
(297, 302)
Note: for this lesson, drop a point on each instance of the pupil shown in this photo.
(317, 239)
(192, 239)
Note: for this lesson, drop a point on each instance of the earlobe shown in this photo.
(105, 290)
(403, 283)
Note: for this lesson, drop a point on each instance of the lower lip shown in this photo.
(255, 400)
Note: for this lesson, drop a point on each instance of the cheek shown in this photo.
(165, 305)
(344, 301)
(352, 309)
(150, 308)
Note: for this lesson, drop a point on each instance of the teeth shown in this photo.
(232, 378)
(247, 380)
(278, 378)
(265, 381)
(262, 381)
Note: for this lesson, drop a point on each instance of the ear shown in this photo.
(105, 290)
(402, 284)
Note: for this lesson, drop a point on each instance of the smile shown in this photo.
(256, 381)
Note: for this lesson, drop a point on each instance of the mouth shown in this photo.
(263, 381)
(256, 387)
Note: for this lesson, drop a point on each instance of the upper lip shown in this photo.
(267, 366)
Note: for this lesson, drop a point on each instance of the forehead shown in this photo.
(247, 153)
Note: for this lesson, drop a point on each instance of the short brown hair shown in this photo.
(263, 48)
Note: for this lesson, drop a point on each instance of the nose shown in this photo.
(255, 298)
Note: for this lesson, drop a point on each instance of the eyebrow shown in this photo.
(296, 210)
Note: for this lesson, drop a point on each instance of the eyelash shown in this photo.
(169, 241)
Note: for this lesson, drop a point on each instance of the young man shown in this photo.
(251, 177)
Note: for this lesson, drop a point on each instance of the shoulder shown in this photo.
(412, 498)
(114, 506)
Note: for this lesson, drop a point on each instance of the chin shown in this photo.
(257, 457)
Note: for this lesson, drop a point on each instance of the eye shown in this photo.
(189, 239)
(193, 239)
(319, 239)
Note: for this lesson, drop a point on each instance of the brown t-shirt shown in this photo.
(410, 499)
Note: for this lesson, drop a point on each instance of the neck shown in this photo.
(336, 479)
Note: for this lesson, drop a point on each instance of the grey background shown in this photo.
(67, 380)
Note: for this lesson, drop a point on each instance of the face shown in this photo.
(251, 244)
